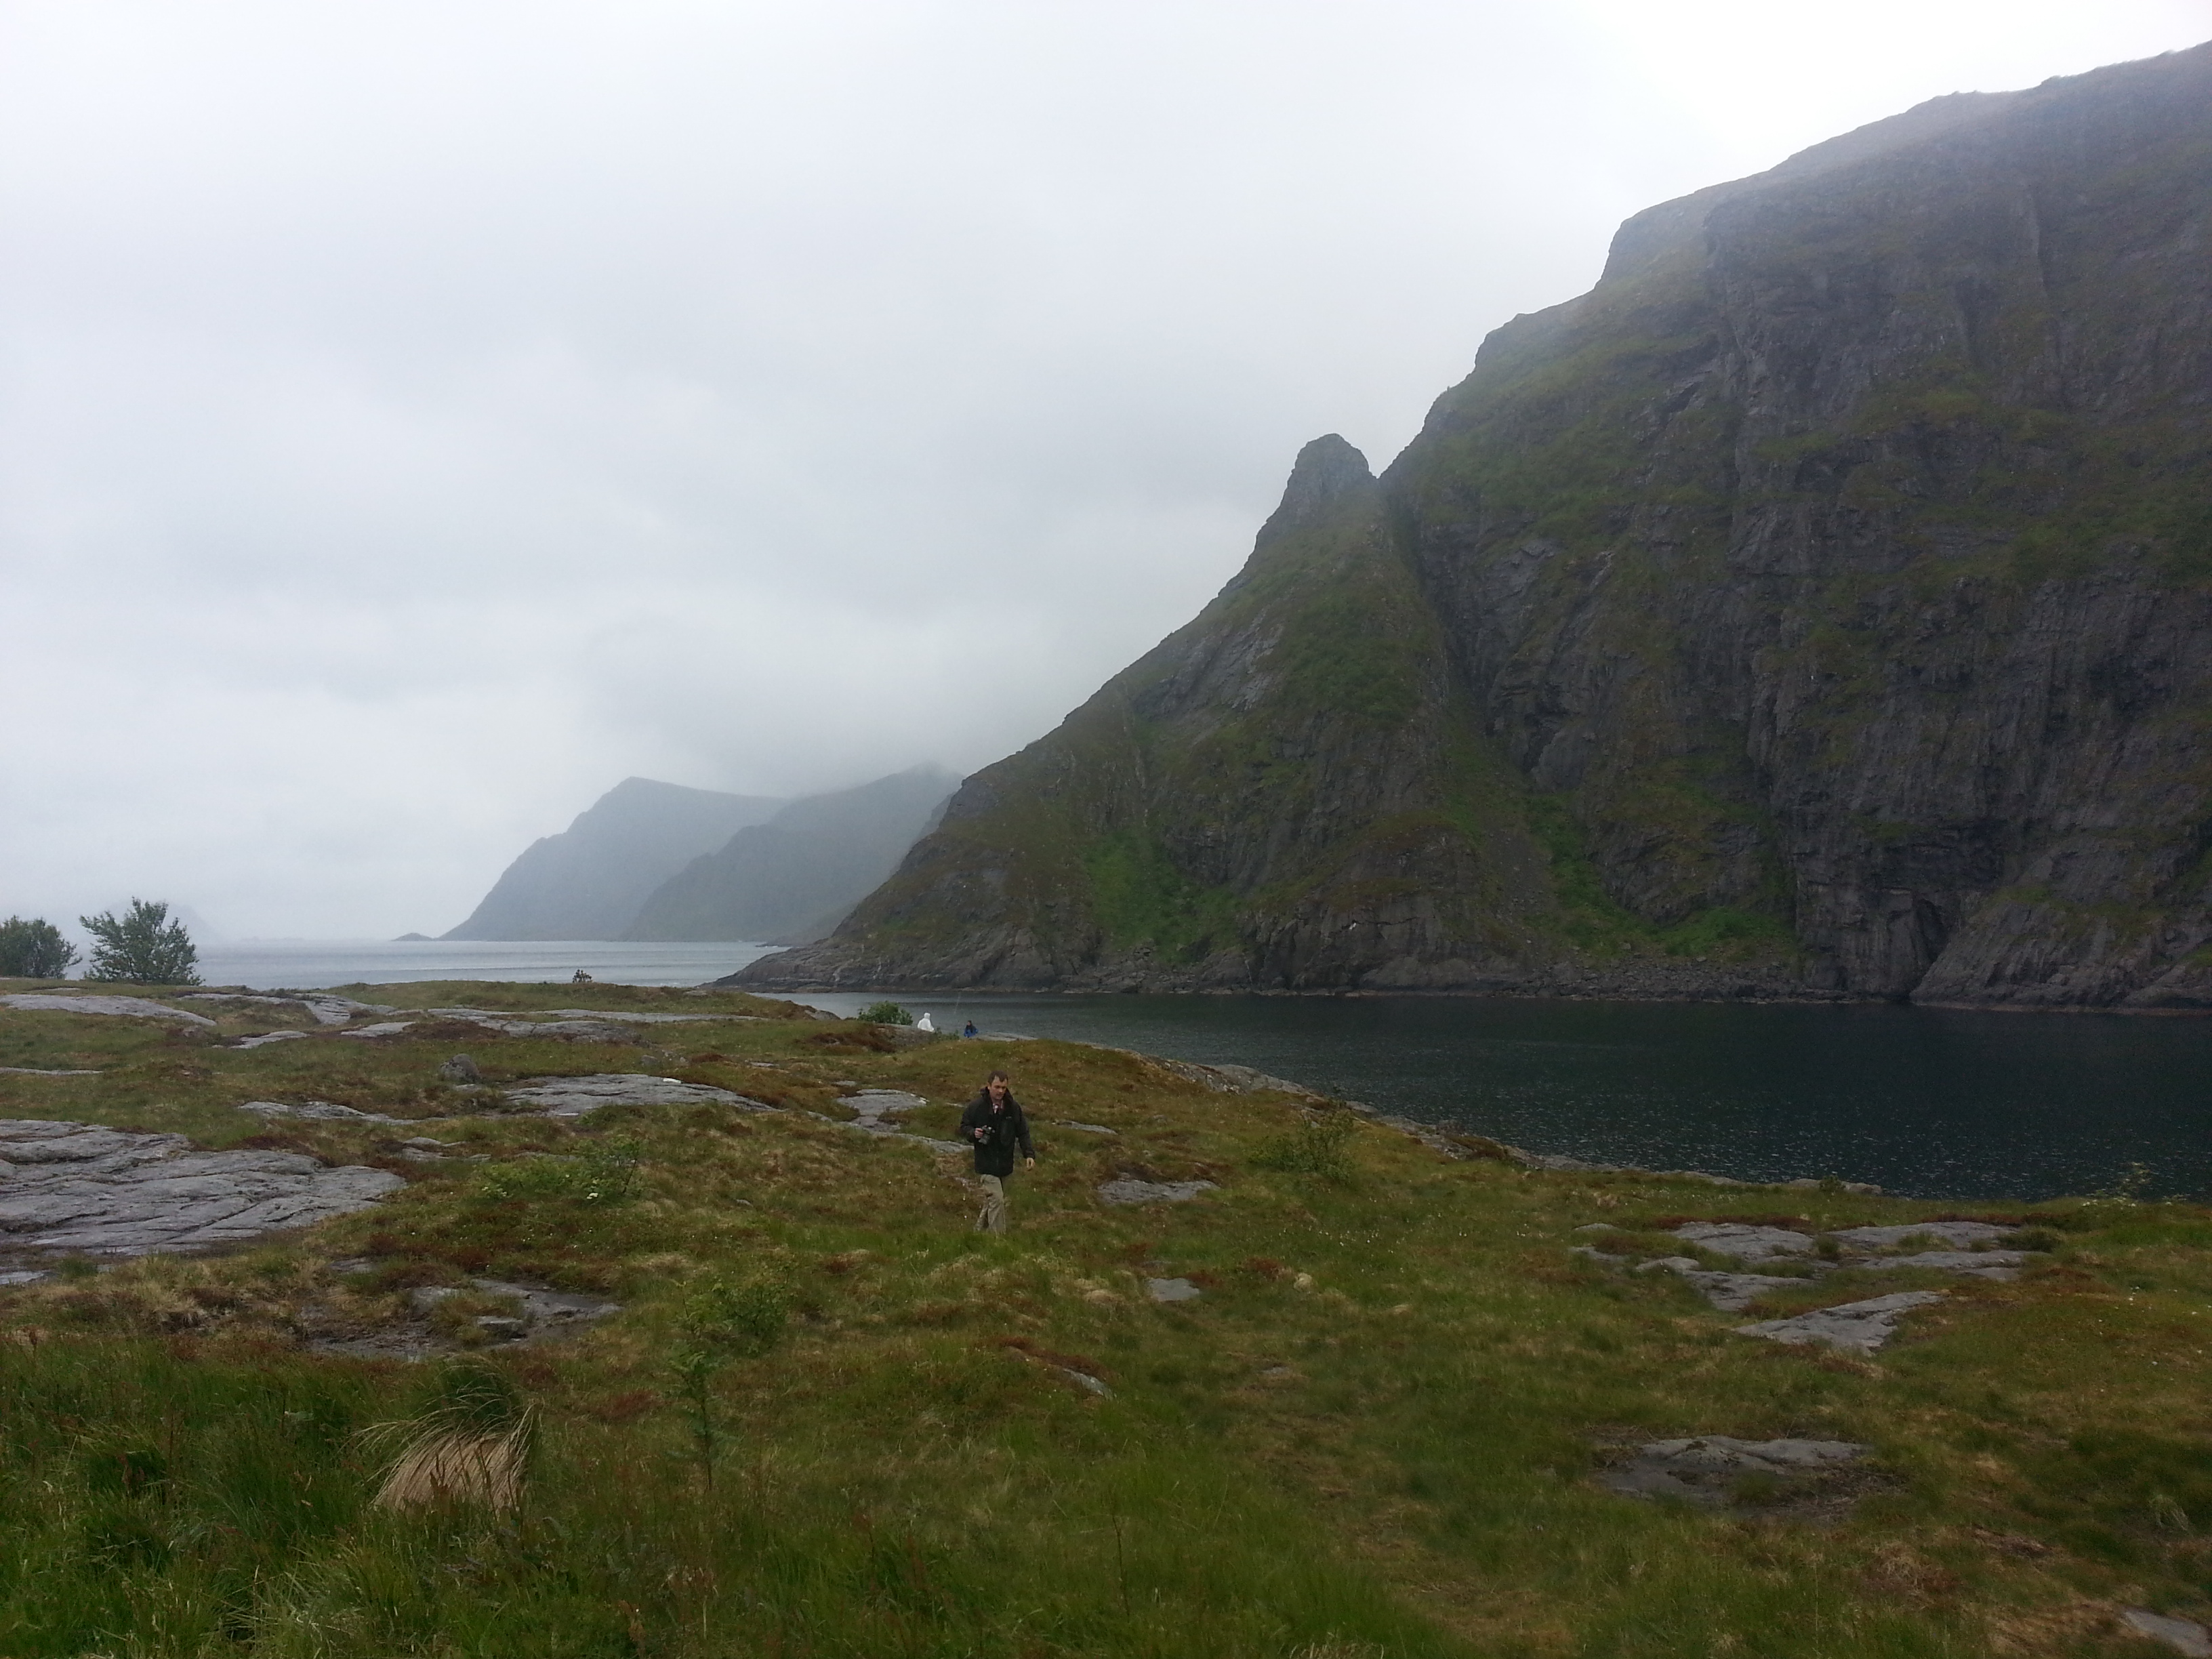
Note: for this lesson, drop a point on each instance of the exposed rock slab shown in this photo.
(1172, 1290)
(265, 1038)
(1744, 1243)
(1707, 1469)
(327, 1011)
(547, 1016)
(2183, 1636)
(537, 1305)
(875, 1110)
(1959, 1235)
(1730, 1292)
(382, 1028)
(119, 1007)
(112, 1192)
(1853, 1327)
(1129, 1190)
(575, 1030)
(41, 1070)
(325, 1111)
(1975, 1264)
(572, 1096)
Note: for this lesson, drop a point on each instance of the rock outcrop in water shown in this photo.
(1822, 606)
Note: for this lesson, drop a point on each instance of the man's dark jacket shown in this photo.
(994, 1152)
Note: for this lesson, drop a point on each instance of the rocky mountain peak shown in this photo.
(1326, 471)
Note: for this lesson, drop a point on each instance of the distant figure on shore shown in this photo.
(994, 1122)
(925, 1023)
(970, 1030)
(579, 977)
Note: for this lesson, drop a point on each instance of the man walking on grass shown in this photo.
(995, 1123)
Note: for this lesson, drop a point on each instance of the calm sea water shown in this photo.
(1924, 1101)
(316, 965)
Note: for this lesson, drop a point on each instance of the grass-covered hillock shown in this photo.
(830, 1420)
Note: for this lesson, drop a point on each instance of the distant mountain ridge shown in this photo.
(792, 879)
(1821, 606)
(651, 861)
(588, 881)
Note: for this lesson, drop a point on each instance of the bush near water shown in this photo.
(831, 1420)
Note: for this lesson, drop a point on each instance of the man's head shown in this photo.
(996, 1087)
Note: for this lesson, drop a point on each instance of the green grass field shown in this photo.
(1371, 1435)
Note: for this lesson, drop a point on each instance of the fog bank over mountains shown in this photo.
(415, 417)
(653, 860)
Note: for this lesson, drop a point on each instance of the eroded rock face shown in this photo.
(76, 1187)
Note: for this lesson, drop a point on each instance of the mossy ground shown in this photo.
(1372, 1435)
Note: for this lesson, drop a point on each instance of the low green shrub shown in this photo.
(1318, 1146)
(606, 1174)
(885, 1013)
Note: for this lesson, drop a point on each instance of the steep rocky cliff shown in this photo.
(1819, 606)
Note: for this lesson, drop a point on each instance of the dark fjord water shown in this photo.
(1924, 1101)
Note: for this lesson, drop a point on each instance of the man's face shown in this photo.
(997, 1086)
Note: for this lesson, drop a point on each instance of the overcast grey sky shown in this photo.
(414, 418)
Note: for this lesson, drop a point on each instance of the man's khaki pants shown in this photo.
(994, 1218)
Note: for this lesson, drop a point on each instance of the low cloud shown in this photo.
(414, 419)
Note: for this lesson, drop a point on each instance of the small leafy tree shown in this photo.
(718, 1322)
(885, 1013)
(33, 950)
(142, 947)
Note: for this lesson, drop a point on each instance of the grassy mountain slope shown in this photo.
(1371, 1435)
(1821, 606)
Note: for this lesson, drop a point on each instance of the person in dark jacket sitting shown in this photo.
(994, 1124)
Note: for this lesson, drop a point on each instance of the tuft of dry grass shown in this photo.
(469, 1441)
(444, 1468)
